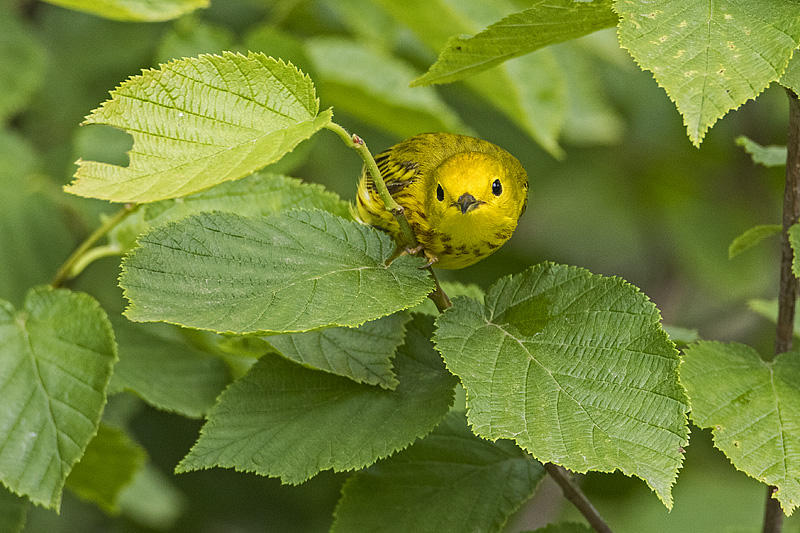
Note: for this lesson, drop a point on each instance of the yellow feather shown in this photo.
(462, 196)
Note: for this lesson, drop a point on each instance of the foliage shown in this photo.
(303, 343)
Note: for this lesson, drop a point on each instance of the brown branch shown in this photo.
(574, 494)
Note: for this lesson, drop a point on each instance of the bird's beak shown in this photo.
(467, 202)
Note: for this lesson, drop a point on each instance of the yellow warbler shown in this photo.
(462, 196)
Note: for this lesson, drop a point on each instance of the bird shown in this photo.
(462, 196)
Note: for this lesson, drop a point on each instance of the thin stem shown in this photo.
(787, 295)
(92, 255)
(439, 297)
(356, 142)
(577, 497)
(68, 269)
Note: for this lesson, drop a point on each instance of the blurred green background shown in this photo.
(629, 197)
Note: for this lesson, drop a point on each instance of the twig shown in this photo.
(577, 497)
(68, 269)
(410, 240)
(787, 295)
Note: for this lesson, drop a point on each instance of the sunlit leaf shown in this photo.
(134, 10)
(292, 272)
(363, 354)
(373, 86)
(753, 409)
(710, 57)
(791, 78)
(22, 60)
(198, 122)
(769, 156)
(449, 481)
(752, 237)
(285, 420)
(543, 24)
(106, 468)
(56, 356)
(575, 368)
(262, 193)
(156, 364)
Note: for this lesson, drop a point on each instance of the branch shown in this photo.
(574, 494)
(787, 296)
(77, 261)
(410, 240)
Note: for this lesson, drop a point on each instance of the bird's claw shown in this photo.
(398, 252)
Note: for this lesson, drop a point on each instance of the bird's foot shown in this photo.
(401, 251)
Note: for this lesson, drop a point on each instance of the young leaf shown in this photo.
(519, 33)
(751, 237)
(530, 90)
(198, 122)
(56, 356)
(681, 336)
(575, 368)
(284, 420)
(134, 10)
(284, 273)
(363, 354)
(769, 156)
(794, 241)
(710, 57)
(414, 490)
(753, 409)
(22, 60)
(13, 511)
(373, 86)
(262, 193)
(106, 468)
(164, 371)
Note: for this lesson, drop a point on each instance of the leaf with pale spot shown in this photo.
(284, 420)
(575, 368)
(710, 57)
(56, 356)
(414, 490)
(197, 122)
(753, 409)
(284, 273)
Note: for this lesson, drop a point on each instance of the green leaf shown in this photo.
(198, 122)
(13, 511)
(22, 60)
(259, 194)
(133, 10)
(373, 86)
(156, 364)
(752, 237)
(190, 37)
(681, 336)
(363, 354)
(753, 409)
(449, 481)
(565, 527)
(57, 354)
(769, 156)
(530, 90)
(710, 57)
(109, 464)
(575, 368)
(794, 241)
(519, 33)
(284, 273)
(152, 500)
(284, 420)
(791, 78)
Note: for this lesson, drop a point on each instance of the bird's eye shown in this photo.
(439, 193)
(497, 188)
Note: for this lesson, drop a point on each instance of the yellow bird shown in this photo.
(462, 196)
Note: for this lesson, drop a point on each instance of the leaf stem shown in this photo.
(787, 295)
(577, 497)
(77, 261)
(410, 240)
